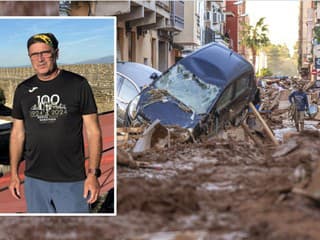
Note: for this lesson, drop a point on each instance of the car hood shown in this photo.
(159, 104)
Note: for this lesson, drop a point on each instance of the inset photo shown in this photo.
(57, 116)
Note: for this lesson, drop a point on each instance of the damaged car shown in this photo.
(203, 93)
(132, 77)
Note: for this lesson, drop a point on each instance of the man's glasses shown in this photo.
(45, 54)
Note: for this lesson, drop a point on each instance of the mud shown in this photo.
(219, 189)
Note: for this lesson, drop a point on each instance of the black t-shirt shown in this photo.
(52, 114)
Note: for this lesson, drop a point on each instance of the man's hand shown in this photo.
(14, 187)
(91, 188)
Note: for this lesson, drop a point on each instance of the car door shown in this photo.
(223, 108)
(243, 94)
(234, 101)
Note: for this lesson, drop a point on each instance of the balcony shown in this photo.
(212, 36)
(162, 15)
(112, 8)
(175, 22)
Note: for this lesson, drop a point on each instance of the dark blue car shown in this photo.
(203, 93)
(5, 128)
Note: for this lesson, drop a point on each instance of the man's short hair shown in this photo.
(47, 38)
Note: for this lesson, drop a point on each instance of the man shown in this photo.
(49, 111)
(300, 100)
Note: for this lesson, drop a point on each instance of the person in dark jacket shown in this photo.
(299, 100)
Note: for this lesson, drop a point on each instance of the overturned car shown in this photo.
(202, 93)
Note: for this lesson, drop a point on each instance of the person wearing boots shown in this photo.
(299, 100)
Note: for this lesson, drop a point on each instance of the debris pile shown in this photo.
(222, 187)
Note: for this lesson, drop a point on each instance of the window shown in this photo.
(188, 88)
(242, 85)
(226, 97)
(127, 89)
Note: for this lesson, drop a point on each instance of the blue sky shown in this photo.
(79, 38)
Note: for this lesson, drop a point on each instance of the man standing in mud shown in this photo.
(300, 100)
(49, 111)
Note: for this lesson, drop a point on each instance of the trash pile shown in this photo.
(223, 187)
(275, 124)
(276, 108)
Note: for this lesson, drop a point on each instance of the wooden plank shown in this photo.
(130, 130)
(264, 124)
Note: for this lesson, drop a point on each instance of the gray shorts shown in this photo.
(299, 117)
(55, 197)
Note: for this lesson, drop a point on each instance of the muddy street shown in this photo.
(218, 189)
(222, 189)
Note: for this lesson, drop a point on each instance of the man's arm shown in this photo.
(93, 131)
(290, 97)
(306, 101)
(17, 138)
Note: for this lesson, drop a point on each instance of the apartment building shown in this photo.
(214, 23)
(305, 44)
(316, 42)
(145, 29)
(236, 13)
(206, 23)
(158, 33)
(189, 39)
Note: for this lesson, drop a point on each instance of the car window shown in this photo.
(226, 97)
(242, 85)
(119, 82)
(188, 88)
(127, 90)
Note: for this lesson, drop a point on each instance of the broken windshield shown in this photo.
(188, 88)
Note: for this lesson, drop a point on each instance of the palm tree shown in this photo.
(255, 37)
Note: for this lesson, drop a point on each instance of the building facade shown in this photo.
(189, 39)
(158, 33)
(145, 29)
(236, 14)
(305, 43)
(215, 23)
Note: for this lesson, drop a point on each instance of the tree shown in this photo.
(255, 37)
(279, 60)
(264, 72)
(296, 54)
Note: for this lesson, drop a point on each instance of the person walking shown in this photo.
(49, 111)
(300, 103)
